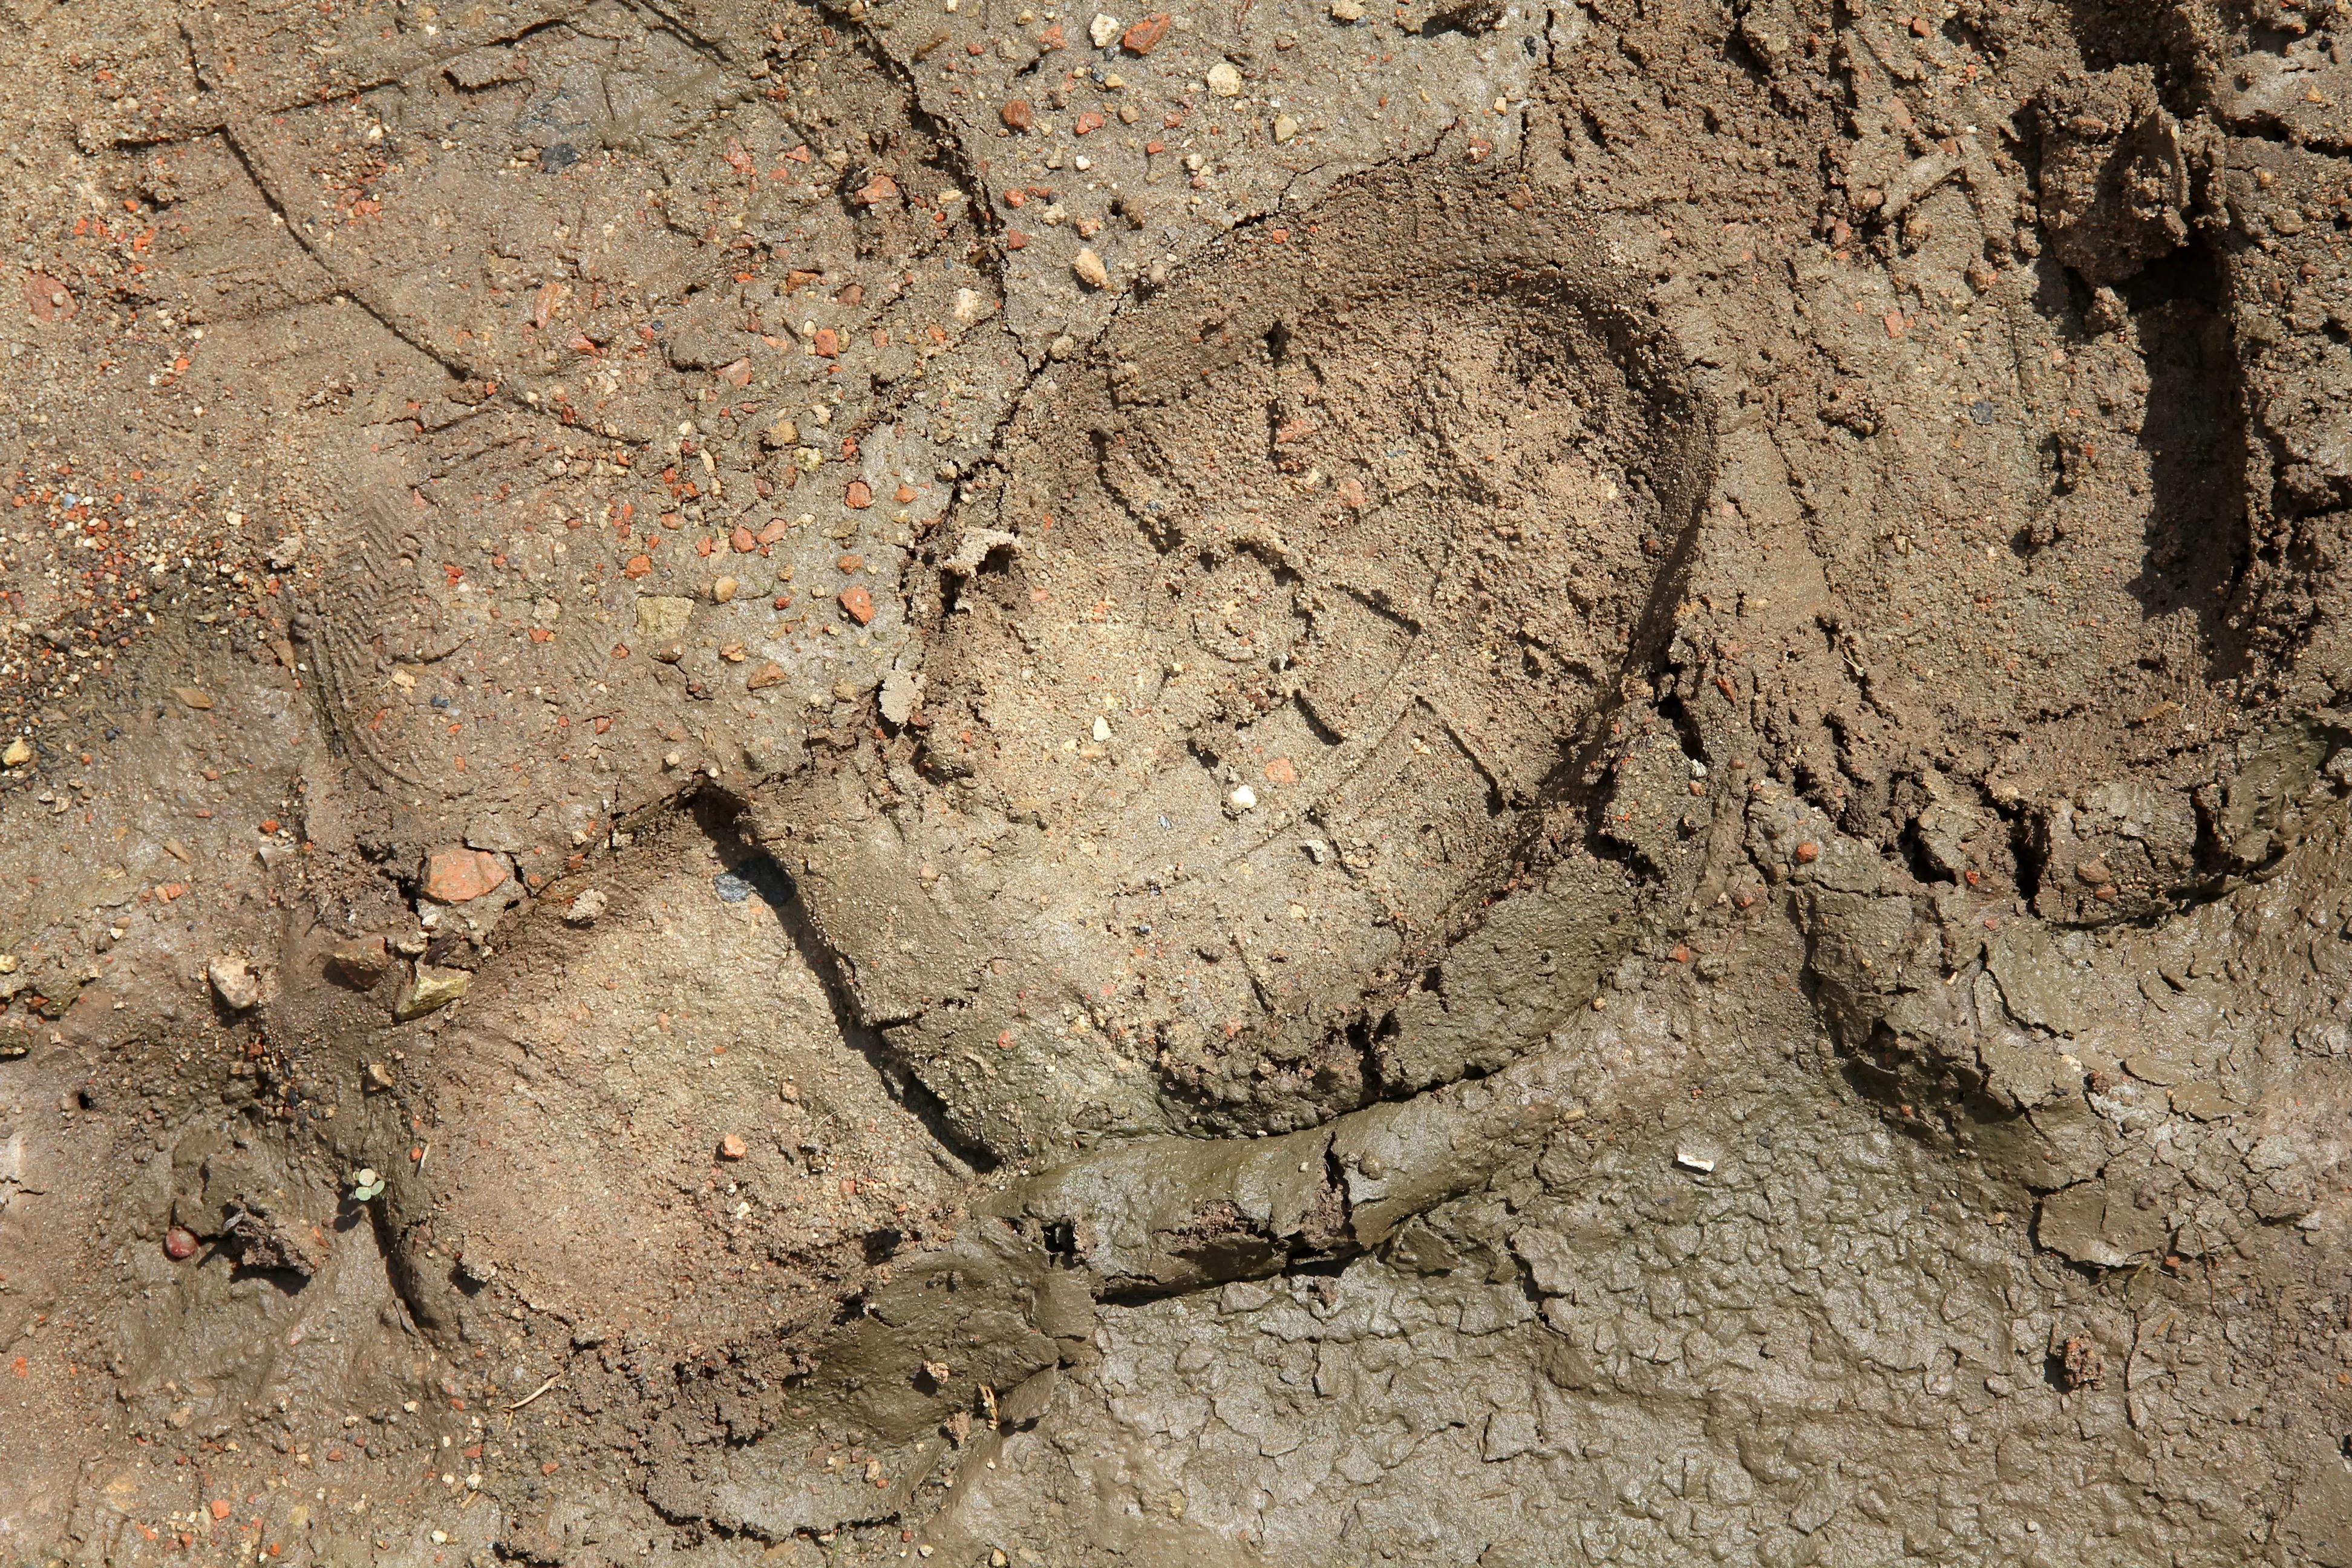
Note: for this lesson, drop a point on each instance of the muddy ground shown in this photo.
(1311, 783)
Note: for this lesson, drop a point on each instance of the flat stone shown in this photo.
(460, 875)
(234, 982)
(1146, 34)
(2091, 1224)
(900, 691)
(662, 617)
(2204, 1102)
(360, 964)
(429, 990)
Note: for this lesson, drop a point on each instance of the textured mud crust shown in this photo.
(1293, 784)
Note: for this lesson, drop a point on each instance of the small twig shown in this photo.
(535, 1393)
(422, 1155)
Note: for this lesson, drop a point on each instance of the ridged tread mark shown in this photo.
(193, 36)
(338, 648)
(260, 167)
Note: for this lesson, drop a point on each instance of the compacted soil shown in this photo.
(1321, 782)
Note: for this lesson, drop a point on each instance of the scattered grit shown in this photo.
(1298, 783)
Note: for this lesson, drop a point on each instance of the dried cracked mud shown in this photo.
(1308, 784)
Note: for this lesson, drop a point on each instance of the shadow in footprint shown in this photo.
(2194, 436)
(750, 872)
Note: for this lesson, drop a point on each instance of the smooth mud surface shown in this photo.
(1308, 784)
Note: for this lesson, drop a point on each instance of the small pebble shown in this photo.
(1091, 270)
(1102, 30)
(429, 990)
(1808, 852)
(235, 982)
(1224, 80)
(179, 1244)
(1145, 36)
(732, 1147)
(362, 962)
(723, 590)
(733, 886)
(1285, 126)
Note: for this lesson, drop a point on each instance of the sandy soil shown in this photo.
(1302, 783)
